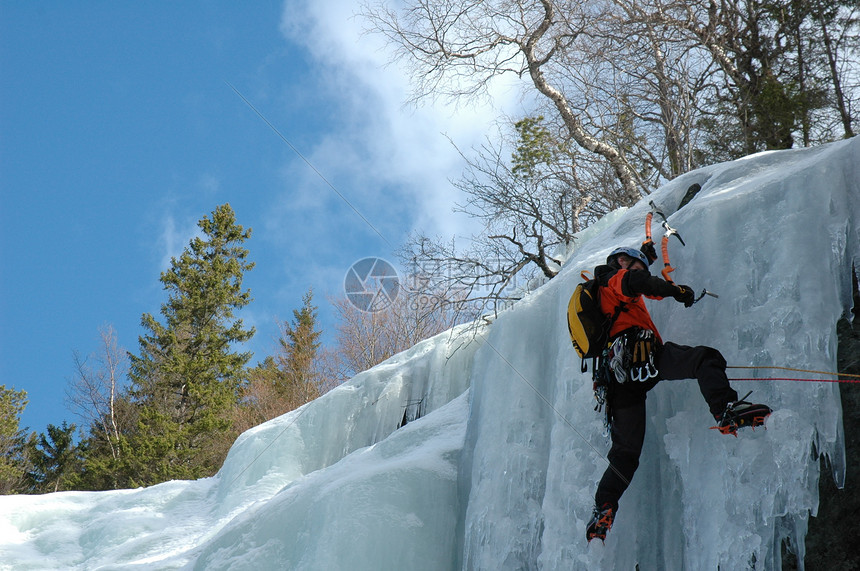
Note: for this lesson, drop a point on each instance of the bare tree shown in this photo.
(619, 96)
(457, 49)
(365, 339)
(635, 93)
(529, 207)
(94, 392)
(656, 81)
(775, 60)
(635, 82)
(836, 45)
(261, 400)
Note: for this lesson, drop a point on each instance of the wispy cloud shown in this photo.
(399, 154)
(392, 162)
(174, 237)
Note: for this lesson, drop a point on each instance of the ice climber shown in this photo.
(637, 359)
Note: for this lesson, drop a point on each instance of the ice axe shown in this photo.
(664, 246)
(667, 267)
(703, 294)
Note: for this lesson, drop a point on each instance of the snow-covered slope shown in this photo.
(500, 471)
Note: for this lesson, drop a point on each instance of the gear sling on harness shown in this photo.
(631, 355)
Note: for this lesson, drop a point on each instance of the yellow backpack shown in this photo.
(588, 326)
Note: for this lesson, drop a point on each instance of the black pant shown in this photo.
(627, 410)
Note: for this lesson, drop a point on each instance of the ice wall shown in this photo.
(775, 236)
(500, 471)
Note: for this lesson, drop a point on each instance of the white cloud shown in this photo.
(380, 142)
(392, 162)
(174, 238)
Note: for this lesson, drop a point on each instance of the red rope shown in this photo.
(791, 379)
(853, 379)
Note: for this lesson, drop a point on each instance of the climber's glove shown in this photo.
(685, 295)
(648, 249)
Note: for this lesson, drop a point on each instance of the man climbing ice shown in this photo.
(637, 359)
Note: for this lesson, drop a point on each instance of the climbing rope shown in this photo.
(839, 379)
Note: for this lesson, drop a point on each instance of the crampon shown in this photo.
(600, 524)
(740, 414)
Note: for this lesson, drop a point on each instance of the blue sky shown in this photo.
(119, 131)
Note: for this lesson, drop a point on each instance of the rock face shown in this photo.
(831, 541)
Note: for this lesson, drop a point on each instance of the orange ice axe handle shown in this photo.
(648, 218)
(667, 268)
(648, 241)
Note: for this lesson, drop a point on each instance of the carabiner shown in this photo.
(644, 372)
(652, 370)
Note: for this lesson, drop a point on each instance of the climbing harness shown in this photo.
(631, 355)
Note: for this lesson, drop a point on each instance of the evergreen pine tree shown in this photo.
(300, 347)
(56, 459)
(12, 440)
(187, 377)
(289, 379)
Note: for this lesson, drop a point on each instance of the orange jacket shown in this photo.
(629, 287)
